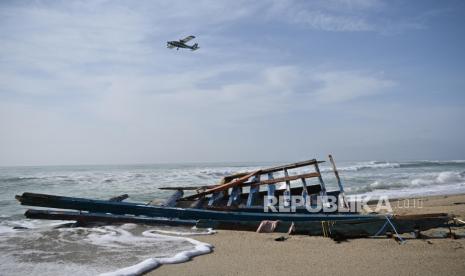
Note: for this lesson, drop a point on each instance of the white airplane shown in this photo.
(182, 44)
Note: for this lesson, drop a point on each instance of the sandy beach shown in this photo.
(249, 253)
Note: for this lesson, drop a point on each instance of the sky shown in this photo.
(92, 82)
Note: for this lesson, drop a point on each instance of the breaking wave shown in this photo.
(17, 179)
(127, 249)
(370, 165)
(441, 178)
(422, 183)
(431, 163)
(360, 166)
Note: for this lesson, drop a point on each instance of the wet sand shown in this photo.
(249, 253)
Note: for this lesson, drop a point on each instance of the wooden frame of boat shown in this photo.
(230, 192)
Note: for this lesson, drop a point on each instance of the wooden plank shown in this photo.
(187, 187)
(225, 186)
(254, 189)
(290, 166)
(229, 178)
(84, 218)
(215, 198)
(284, 179)
(198, 204)
(171, 201)
(336, 173)
(320, 179)
(312, 189)
(277, 168)
(304, 190)
(339, 182)
(271, 188)
(119, 198)
(287, 192)
(235, 197)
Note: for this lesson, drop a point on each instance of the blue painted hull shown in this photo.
(138, 209)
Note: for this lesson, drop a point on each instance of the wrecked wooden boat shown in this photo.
(241, 201)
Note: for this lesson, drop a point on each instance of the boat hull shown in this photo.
(84, 218)
(355, 228)
(137, 209)
(335, 224)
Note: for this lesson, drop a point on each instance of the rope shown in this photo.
(324, 230)
(402, 241)
(382, 228)
(388, 221)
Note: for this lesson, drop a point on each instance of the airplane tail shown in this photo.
(195, 47)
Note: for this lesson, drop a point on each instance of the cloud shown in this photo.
(323, 15)
(92, 82)
(341, 86)
(329, 22)
(349, 16)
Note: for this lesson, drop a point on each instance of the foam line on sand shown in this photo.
(152, 263)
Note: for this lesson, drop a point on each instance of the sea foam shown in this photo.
(128, 249)
(152, 263)
(405, 184)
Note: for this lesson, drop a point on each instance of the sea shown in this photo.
(38, 247)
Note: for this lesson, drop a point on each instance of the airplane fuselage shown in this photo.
(178, 44)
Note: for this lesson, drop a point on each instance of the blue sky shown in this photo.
(92, 82)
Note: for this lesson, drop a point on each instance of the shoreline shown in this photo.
(250, 253)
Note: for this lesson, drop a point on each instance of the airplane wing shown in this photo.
(184, 40)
